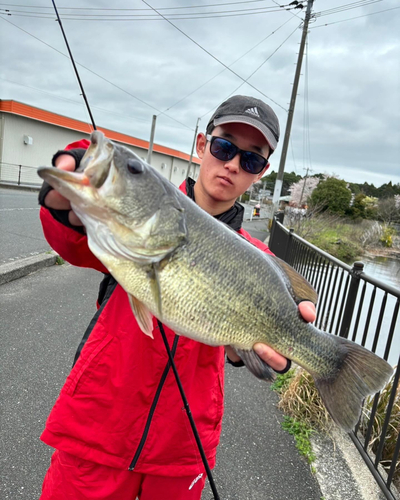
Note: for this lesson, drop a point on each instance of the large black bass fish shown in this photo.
(203, 280)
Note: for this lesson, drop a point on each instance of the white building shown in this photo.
(30, 136)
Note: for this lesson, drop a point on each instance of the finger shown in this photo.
(65, 162)
(56, 201)
(232, 355)
(74, 219)
(307, 311)
(271, 357)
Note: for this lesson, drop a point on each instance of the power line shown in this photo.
(266, 60)
(306, 122)
(99, 76)
(55, 96)
(211, 55)
(234, 62)
(138, 17)
(351, 18)
(160, 9)
(110, 16)
(349, 6)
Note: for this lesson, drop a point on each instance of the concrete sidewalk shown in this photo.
(257, 460)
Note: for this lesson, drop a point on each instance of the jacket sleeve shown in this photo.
(254, 241)
(68, 241)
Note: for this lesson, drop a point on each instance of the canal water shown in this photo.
(386, 270)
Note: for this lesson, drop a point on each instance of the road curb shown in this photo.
(21, 187)
(19, 268)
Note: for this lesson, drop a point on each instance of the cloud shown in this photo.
(347, 108)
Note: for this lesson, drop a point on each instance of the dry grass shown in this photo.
(301, 400)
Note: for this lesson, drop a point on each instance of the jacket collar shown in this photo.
(232, 217)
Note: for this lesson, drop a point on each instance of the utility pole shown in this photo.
(191, 154)
(153, 128)
(279, 178)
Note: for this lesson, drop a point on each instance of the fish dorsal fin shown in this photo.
(142, 314)
(298, 286)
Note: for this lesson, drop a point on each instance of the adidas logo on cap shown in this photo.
(253, 111)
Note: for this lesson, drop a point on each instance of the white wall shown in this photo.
(47, 139)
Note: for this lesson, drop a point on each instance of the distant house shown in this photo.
(284, 201)
(30, 136)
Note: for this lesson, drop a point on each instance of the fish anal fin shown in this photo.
(360, 373)
(255, 364)
(300, 287)
(142, 314)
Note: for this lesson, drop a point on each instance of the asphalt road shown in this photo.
(20, 229)
(21, 232)
(256, 458)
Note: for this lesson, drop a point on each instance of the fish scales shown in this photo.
(203, 280)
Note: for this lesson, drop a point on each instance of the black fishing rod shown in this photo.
(188, 412)
(73, 64)
(171, 358)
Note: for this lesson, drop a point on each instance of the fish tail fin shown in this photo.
(359, 373)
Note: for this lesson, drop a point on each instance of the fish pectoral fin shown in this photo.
(142, 314)
(255, 364)
(298, 286)
(156, 288)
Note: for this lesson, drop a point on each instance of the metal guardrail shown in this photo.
(20, 175)
(356, 306)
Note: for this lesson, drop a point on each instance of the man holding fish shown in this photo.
(118, 426)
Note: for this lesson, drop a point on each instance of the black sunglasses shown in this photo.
(225, 150)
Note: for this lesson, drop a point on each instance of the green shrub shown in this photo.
(301, 433)
(387, 236)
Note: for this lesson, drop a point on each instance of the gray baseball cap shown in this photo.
(254, 112)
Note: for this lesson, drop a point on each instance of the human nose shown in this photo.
(234, 163)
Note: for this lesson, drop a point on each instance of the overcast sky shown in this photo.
(133, 64)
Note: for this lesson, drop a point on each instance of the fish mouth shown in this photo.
(92, 173)
(55, 175)
(58, 178)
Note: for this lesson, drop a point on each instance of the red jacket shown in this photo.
(120, 405)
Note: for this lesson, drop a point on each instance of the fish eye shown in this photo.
(135, 166)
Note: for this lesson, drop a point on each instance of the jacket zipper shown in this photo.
(153, 407)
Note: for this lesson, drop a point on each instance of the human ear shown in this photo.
(201, 142)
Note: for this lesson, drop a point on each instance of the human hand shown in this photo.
(54, 199)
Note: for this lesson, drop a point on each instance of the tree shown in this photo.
(386, 191)
(389, 210)
(355, 188)
(357, 210)
(288, 179)
(371, 207)
(300, 191)
(332, 195)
